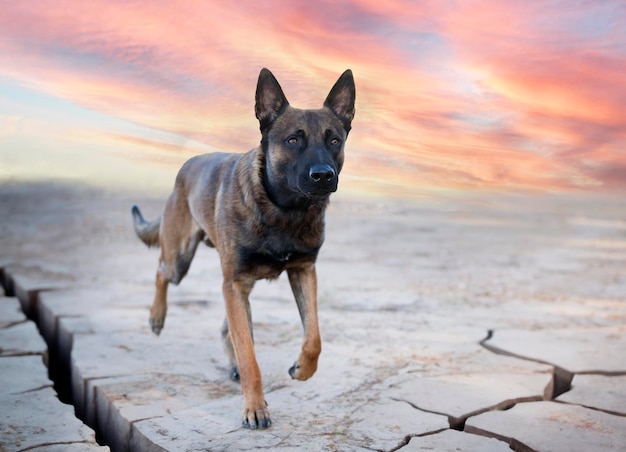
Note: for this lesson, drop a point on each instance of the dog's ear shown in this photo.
(341, 98)
(270, 99)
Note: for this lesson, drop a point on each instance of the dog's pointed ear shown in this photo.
(270, 99)
(341, 98)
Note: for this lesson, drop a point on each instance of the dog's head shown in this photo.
(303, 149)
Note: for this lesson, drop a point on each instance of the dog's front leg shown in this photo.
(255, 413)
(304, 285)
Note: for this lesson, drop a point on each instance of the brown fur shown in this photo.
(263, 211)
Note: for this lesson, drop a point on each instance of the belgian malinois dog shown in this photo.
(264, 213)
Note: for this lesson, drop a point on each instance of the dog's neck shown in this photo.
(287, 201)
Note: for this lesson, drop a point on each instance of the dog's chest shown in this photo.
(272, 254)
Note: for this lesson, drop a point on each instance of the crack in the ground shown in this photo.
(6, 283)
(12, 324)
(513, 443)
(7, 353)
(589, 407)
(29, 301)
(28, 391)
(561, 378)
(59, 368)
(407, 439)
(458, 422)
(564, 372)
(603, 373)
(560, 383)
(60, 443)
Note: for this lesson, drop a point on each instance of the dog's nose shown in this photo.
(321, 173)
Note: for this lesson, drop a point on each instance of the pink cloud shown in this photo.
(559, 71)
(480, 94)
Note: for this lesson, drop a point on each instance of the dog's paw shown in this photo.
(157, 319)
(293, 369)
(234, 374)
(303, 371)
(258, 418)
(156, 325)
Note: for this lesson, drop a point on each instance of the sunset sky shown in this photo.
(466, 95)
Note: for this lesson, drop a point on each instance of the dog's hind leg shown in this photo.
(304, 286)
(230, 352)
(179, 237)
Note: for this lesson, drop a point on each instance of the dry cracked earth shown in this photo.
(460, 324)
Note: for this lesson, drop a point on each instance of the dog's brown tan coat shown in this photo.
(264, 213)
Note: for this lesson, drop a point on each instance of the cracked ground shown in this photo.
(474, 324)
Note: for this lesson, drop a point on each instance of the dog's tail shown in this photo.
(147, 231)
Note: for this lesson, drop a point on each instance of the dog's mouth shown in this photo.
(317, 193)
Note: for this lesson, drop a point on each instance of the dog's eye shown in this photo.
(292, 141)
(334, 141)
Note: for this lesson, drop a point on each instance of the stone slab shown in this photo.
(21, 339)
(28, 281)
(10, 311)
(554, 427)
(383, 424)
(67, 328)
(100, 303)
(574, 349)
(454, 441)
(501, 381)
(136, 376)
(138, 353)
(598, 391)
(116, 408)
(19, 374)
(40, 419)
(121, 401)
(345, 424)
(31, 415)
(460, 395)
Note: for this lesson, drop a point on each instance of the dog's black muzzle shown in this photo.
(321, 181)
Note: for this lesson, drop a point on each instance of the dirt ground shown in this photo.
(463, 323)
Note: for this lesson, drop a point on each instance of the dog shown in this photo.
(263, 211)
